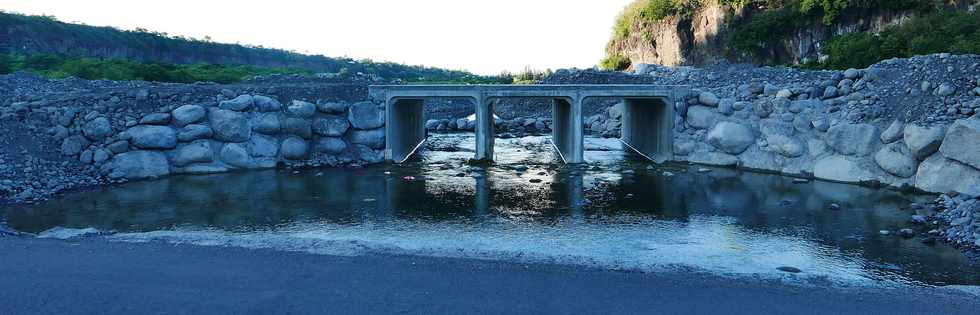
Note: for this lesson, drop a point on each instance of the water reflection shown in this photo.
(622, 214)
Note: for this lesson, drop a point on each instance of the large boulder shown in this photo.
(195, 152)
(188, 114)
(298, 126)
(940, 175)
(235, 154)
(136, 165)
(332, 107)
(229, 126)
(331, 126)
(701, 117)
(374, 138)
(331, 145)
(853, 139)
(74, 145)
(267, 123)
(240, 103)
(732, 138)
(962, 142)
(97, 129)
(365, 115)
(153, 137)
(263, 146)
(708, 99)
(923, 141)
(294, 148)
(194, 132)
(301, 109)
(843, 169)
(896, 159)
(781, 138)
(894, 132)
(161, 119)
(267, 104)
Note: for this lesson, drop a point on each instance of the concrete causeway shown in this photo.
(648, 117)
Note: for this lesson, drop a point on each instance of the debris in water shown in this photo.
(884, 232)
(834, 206)
(790, 269)
(369, 199)
(704, 170)
(535, 180)
(668, 174)
(800, 180)
(409, 178)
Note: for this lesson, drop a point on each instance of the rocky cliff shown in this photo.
(761, 32)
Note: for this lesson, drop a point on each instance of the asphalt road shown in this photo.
(94, 276)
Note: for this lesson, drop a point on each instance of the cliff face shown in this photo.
(705, 35)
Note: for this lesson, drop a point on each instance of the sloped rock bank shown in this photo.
(901, 123)
(65, 134)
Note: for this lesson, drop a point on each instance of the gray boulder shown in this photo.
(196, 152)
(853, 139)
(101, 155)
(923, 141)
(188, 114)
(701, 117)
(374, 138)
(235, 154)
(230, 126)
(332, 107)
(708, 99)
(368, 155)
(267, 123)
(298, 126)
(331, 145)
(781, 138)
(152, 137)
(896, 159)
(301, 109)
(962, 142)
(365, 115)
(74, 145)
(843, 169)
(294, 148)
(331, 126)
(941, 175)
(762, 108)
(194, 132)
(732, 138)
(432, 124)
(894, 132)
(135, 165)
(240, 103)
(263, 146)
(945, 89)
(156, 119)
(267, 104)
(97, 129)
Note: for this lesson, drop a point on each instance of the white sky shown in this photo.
(483, 36)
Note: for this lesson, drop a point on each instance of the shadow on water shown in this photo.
(615, 210)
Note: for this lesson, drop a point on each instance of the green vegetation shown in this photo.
(832, 8)
(615, 63)
(526, 76)
(45, 45)
(954, 32)
(650, 11)
(766, 29)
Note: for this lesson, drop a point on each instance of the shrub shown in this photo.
(615, 62)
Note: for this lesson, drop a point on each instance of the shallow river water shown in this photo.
(616, 212)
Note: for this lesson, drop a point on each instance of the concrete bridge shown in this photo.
(648, 117)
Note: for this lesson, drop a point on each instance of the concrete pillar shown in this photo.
(484, 129)
(405, 128)
(567, 130)
(648, 127)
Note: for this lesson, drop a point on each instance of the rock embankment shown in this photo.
(903, 123)
(71, 133)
